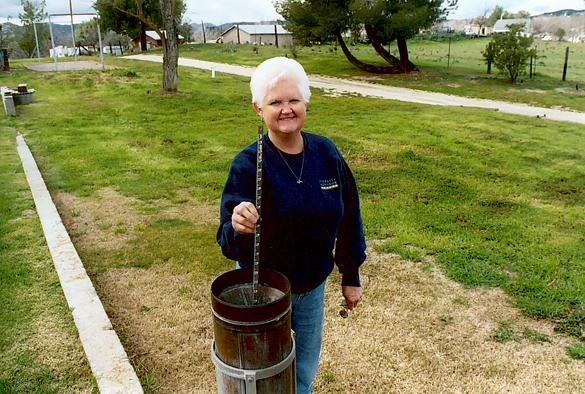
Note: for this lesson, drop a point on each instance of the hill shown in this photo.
(567, 12)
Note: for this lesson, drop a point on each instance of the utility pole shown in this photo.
(72, 33)
(37, 42)
(203, 28)
(449, 54)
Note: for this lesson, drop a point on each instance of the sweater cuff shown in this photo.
(351, 278)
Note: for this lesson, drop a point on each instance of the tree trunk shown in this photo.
(170, 45)
(379, 48)
(407, 66)
(143, 47)
(361, 65)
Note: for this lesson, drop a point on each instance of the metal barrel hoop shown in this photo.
(250, 376)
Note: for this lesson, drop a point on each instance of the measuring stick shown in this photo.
(256, 272)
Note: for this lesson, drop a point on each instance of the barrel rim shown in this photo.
(250, 313)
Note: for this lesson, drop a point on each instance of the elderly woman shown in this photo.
(310, 208)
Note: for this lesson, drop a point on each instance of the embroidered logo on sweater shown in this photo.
(328, 184)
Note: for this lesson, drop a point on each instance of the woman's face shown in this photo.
(284, 110)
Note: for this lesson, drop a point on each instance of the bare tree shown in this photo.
(482, 21)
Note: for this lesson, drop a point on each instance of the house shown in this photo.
(256, 34)
(62, 51)
(501, 26)
(475, 30)
(152, 40)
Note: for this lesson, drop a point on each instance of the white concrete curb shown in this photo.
(107, 358)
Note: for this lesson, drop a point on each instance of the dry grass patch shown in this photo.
(415, 331)
(166, 326)
(418, 331)
(108, 220)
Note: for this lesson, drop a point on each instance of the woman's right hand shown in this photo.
(244, 218)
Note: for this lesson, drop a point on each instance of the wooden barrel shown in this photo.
(253, 349)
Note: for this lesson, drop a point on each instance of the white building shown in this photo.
(62, 51)
(256, 34)
(502, 26)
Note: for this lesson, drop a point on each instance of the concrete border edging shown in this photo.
(106, 356)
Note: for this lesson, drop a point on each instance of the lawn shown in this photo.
(465, 76)
(40, 351)
(494, 200)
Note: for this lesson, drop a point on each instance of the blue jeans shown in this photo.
(307, 323)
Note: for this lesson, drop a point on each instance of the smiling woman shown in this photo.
(310, 207)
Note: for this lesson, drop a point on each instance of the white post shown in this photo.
(100, 42)
(37, 42)
(212, 72)
(72, 33)
(53, 43)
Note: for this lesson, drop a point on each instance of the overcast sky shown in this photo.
(222, 11)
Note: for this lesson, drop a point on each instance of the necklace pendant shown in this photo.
(299, 181)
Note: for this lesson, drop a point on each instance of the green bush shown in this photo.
(510, 52)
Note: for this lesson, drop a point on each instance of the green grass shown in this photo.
(39, 347)
(496, 199)
(534, 336)
(577, 351)
(504, 333)
(466, 75)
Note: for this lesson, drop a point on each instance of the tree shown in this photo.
(482, 21)
(122, 16)
(186, 30)
(489, 55)
(510, 51)
(162, 16)
(560, 33)
(518, 15)
(4, 37)
(496, 15)
(86, 34)
(384, 21)
(113, 39)
(33, 12)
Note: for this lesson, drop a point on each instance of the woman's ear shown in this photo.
(257, 109)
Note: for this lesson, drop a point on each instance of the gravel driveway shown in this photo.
(390, 92)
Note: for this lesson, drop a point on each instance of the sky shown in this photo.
(223, 11)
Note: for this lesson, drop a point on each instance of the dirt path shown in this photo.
(391, 92)
(68, 66)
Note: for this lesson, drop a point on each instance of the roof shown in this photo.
(259, 29)
(154, 35)
(501, 25)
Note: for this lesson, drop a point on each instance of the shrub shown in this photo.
(510, 51)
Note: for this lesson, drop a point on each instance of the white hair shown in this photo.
(274, 70)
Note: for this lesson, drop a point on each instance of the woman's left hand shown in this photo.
(352, 295)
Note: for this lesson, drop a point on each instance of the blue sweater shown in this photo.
(302, 224)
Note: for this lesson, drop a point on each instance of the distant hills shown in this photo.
(62, 33)
(563, 13)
